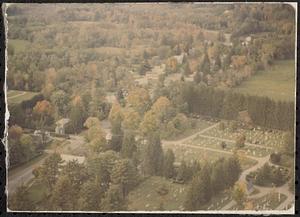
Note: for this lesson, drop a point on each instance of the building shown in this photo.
(61, 126)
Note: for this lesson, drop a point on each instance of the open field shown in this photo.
(278, 82)
(18, 44)
(145, 197)
(16, 97)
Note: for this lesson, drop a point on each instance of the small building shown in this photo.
(108, 136)
(61, 126)
(245, 118)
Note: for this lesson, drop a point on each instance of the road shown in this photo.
(25, 175)
(260, 161)
(15, 96)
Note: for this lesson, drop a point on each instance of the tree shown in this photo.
(77, 114)
(27, 146)
(168, 166)
(91, 194)
(200, 189)
(139, 100)
(49, 170)
(240, 141)
(114, 200)
(239, 194)
(20, 200)
(43, 111)
(152, 155)
(64, 195)
(60, 101)
(131, 120)
(217, 176)
(288, 145)
(183, 173)
(128, 145)
(125, 175)
(150, 124)
(91, 122)
(163, 109)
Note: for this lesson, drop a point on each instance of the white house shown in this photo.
(60, 125)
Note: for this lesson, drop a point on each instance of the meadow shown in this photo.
(277, 82)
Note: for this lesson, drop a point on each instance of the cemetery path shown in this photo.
(260, 162)
(189, 137)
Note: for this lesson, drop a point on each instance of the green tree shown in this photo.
(114, 200)
(64, 195)
(49, 170)
(239, 194)
(168, 165)
(128, 145)
(125, 175)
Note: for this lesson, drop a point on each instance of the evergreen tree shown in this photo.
(64, 195)
(114, 200)
(128, 145)
(168, 166)
(124, 174)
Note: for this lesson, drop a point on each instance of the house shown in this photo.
(244, 118)
(61, 126)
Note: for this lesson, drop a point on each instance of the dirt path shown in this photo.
(15, 96)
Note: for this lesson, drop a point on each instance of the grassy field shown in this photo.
(145, 197)
(278, 82)
(15, 96)
(18, 45)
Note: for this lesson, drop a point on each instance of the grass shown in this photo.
(190, 154)
(16, 97)
(18, 45)
(145, 197)
(218, 201)
(277, 82)
(37, 192)
(200, 125)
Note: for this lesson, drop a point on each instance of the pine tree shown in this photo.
(168, 166)
(128, 145)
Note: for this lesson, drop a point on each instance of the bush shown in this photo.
(275, 158)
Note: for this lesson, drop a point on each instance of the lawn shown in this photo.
(189, 154)
(200, 125)
(277, 82)
(145, 197)
(18, 45)
(264, 138)
(37, 191)
(16, 97)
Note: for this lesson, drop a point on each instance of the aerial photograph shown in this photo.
(151, 107)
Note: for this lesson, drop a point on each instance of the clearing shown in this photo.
(277, 82)
(16, 97)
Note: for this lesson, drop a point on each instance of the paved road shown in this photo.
(25, 175)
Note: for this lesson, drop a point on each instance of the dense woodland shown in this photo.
(76, 56)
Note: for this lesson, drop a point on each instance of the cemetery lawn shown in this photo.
(145, 197)
(277, 82)
(200, 125)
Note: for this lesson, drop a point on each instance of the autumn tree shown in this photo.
(139, 100)
(43, 111)
(239, 194)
